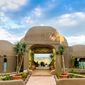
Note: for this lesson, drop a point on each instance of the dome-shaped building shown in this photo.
(47, 38)
(6, 48)
(42, 35)
(41, 40)
(7, 59)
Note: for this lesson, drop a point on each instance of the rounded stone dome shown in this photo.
(22, 40)
(63, 41)
(78, 51)
(42, 34)
(6, 48)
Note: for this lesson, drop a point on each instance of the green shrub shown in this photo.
(58, 75)
(24, 75)
(8, 77)
(23, 79)
(71, 75)
(1, 79)
(72, 71)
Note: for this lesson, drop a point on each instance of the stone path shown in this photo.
(41, 72)
(41, 80)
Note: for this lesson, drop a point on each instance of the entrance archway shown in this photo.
(42, 49)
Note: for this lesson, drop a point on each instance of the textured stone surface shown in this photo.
(41, 80)
(41, 72)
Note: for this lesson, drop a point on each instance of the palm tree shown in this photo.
(61, 51)
(51, 56)
(57, 52)
(20, 49)
(32, 57)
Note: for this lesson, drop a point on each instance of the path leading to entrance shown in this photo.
(41, 80)
(41, 72)
(41, 77)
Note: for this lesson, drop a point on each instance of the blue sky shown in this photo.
(67, 16)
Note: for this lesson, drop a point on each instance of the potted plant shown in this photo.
(61, 51)
(20, 49)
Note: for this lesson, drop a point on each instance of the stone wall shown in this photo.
(12, 82)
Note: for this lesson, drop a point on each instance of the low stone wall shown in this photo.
(26, 80)
(70, 81)
(75, 70)
(12, 82)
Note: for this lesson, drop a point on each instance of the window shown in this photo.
(5, 64)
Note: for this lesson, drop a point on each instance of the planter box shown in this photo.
(70, 81)
(12, 82)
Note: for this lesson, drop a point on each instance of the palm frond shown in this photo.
(51, 56)
(57, 52)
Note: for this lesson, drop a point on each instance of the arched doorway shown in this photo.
(42, 50)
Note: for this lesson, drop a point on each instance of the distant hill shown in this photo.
(42, 59)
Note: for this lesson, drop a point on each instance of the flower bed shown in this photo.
(70, 81)
(10, 77)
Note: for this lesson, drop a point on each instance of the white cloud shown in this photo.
(73, 40)
(2, 2)
(37, 11)
(42, 24)
(5, 35)
(3, 18)
(11, 4)
(27, 19)
(21, 2)
(1, 14)
(65, 22)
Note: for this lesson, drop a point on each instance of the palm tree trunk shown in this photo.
(17, 72)
(58, 61)
(63, 64)
(21, 63)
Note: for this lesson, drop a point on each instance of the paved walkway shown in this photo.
(41, 80)
(41, 77)
(41, 72)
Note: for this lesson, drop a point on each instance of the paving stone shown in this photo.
(41, 80)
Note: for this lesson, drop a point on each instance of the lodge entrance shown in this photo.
(39, 58)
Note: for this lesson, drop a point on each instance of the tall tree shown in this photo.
(57, 53)
(61, 51)
(20, 49)
(52, 59)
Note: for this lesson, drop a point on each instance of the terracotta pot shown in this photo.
(52, 68)
(63, 76)
(17, 77)
(31, 69)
